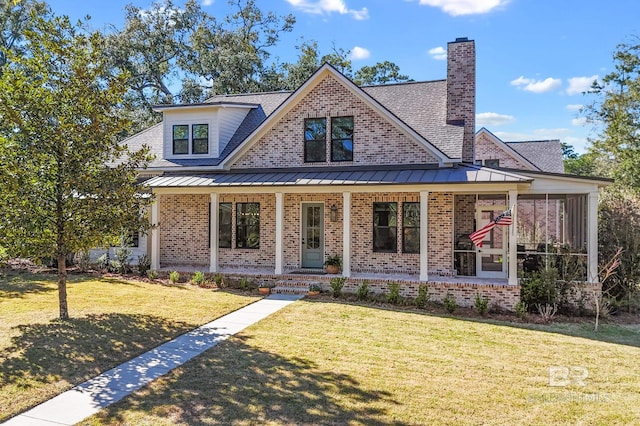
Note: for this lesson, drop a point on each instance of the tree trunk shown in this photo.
(62, 286)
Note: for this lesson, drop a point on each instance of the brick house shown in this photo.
(392, 178)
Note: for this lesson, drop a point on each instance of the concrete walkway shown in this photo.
(111, 386)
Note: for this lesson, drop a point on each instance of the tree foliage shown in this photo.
(617, 111)
(66, 184)
(181, 54)
(619, 228)
(14, 21)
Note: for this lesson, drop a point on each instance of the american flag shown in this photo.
(503, 219)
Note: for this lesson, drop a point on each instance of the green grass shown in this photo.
(112, 321)
(334, 363)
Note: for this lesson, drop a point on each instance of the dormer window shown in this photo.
(181, 139)
(199, 137)
(200, 134)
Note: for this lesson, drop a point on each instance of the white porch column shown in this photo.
(592, 237)
(346, 234)
(279, 232)
(424, 235)
(513, 240)
(155, 234)
(213, 233)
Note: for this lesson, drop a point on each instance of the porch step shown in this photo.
(292, 287)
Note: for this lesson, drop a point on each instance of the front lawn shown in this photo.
(112, 321)
(320, 362)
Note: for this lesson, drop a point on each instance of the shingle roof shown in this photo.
(423, 107)
(544, 154)
(342, 176)
(420, 105)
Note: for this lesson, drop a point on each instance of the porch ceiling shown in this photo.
(341, 176)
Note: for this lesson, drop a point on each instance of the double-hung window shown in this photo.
(411, 227)
(342, 139)
(197, 134)
(315, 135)
(385, 227)
(180, 139)
(248, 225)
(200, 138)
(224, 225)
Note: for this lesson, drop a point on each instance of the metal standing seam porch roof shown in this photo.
(354, 176)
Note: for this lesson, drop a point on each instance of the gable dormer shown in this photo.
(196, 131)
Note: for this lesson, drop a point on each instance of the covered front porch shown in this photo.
(285, 226)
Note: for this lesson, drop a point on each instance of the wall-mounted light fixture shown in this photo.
(333, 213)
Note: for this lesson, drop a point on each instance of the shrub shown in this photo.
(144, 264)
(481, 304)
(174, 277)
(336, 285)
(121, 263)
(449, 303)
(315, 287)
(393, 296)
(81, 259)
(244, 284)
(539, 287)
(152, 274)
(102, 262)
(218, 279)
(547, 311)
(198, 278)
(362, 293)
(521, 309)
(423, 296)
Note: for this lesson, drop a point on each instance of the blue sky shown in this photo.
(534, 58)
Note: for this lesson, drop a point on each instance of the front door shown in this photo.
(491, 258)
(312, 235)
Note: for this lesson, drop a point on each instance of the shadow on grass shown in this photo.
(77, 349)
(619, 334)
(237, 383)
(14, 285)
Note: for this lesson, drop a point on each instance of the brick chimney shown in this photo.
(461, 91)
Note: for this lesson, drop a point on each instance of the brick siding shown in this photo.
(375, 140)
(487, 149)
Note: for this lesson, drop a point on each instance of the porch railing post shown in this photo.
(424, 235)
(155, 234)
(346, 234)
(279, 232)
(213, 233)
(592, 237)
(513, 240)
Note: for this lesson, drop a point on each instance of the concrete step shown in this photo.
(293, 287)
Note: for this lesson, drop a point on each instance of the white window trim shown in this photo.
(168, 129)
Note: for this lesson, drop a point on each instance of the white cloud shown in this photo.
(574, 107)
(359, 53)
(579, 85)
(465, 7)
(580, 121)
(207, 2)
(537, 86)
(493, 119)
(438, 53)
(535, 135)
(319, 7)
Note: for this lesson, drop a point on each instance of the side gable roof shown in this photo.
(423, 107)
(313, 81)
(546, 154)
(507, 148)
